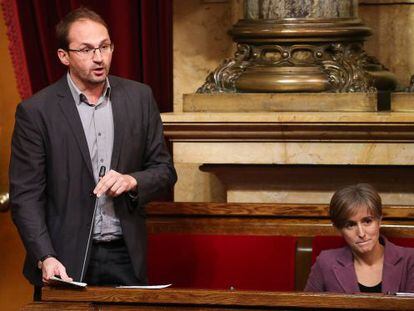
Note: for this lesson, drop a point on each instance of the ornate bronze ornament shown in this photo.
(299, 46)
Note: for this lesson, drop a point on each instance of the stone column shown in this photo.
(280, 9)
(299, 46)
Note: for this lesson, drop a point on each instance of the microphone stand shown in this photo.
(102, 171)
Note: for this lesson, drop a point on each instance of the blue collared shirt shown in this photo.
(98, 126)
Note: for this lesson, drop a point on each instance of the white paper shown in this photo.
(401, 294)
(73, 283)
(146, 287)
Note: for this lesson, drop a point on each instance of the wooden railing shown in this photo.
(299, 220)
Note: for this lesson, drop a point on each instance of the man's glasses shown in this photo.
(89, 52)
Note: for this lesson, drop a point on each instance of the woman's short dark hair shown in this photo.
(346, 201)
(82, 13)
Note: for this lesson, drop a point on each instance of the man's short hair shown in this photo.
(346, 201)
(82, 13)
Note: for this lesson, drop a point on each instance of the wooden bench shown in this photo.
(304, 222)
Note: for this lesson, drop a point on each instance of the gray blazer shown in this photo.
(51, 179)
(334, 270)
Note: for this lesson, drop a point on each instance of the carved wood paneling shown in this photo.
(261, 209)
(330, 132)
(300, 220)
(63, 306)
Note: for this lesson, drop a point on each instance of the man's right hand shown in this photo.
(53, 267)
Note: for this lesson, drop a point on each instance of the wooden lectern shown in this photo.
(105, 298)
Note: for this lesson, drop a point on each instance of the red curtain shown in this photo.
(140, 29)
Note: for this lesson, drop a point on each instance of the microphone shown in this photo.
(102, 171)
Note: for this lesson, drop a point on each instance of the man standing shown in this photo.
(65, 137)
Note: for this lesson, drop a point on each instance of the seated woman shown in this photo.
(369, 262)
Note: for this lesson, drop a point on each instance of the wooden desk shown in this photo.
(104, 298)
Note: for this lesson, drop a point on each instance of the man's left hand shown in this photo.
(114, 184)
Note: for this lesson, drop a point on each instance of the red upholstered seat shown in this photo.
(321, 243)
(222, 261)
(406, 242)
